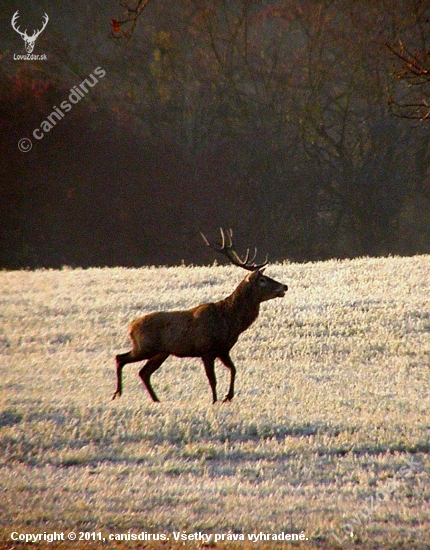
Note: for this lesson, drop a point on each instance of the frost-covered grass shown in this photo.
(332, 397)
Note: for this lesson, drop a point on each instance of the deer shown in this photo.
(208, 331)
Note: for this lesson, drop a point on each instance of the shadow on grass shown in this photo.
(78, 437)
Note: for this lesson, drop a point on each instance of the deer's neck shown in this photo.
(240, 310)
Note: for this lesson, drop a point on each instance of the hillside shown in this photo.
(328, 433)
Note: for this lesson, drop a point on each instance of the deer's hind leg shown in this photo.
(121, 360)
(148, 369)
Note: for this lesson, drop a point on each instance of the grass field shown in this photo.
(328, 434)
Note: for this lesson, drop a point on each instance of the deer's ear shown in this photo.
(254, 275)
(261, 270)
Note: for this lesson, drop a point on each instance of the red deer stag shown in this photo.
(208, 331)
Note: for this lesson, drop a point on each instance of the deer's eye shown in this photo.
(263, 281)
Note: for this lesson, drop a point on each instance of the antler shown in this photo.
(45, 22)
(226, 248)
(24, 34)
(14, 18)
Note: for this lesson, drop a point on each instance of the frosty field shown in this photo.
(328, 434)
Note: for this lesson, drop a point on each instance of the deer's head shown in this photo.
(262, 287)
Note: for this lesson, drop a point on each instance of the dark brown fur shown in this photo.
(208, 331)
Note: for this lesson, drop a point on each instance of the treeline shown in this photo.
(272, 118)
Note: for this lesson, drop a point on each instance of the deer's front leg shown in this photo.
(209, 363)
(226, 360)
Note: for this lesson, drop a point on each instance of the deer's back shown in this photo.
(189, 333)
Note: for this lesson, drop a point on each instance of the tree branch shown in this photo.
(124, 28)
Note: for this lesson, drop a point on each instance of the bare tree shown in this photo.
(411, 50)
(124, 27)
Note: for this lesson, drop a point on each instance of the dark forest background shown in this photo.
(300, 124)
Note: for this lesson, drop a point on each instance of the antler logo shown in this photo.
(29, 40)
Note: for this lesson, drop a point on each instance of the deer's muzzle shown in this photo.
(281, 291)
